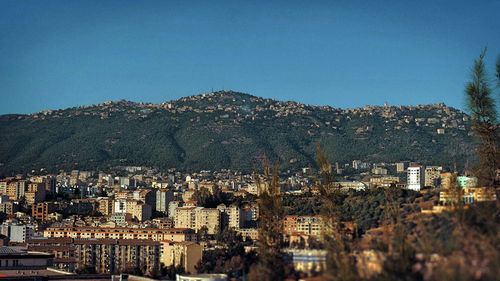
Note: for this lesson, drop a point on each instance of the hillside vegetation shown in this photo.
(229, 130)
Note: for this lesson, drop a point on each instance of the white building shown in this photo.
(16, 232)
(120, 206)
(415, 178)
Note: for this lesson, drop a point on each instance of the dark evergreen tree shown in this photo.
(498, 69)
(482, 108)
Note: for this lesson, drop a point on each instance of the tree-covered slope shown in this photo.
(228, 130)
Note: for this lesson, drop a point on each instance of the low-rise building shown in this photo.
(246, 233)
(185, 254)
(300, 229)
(163, 223)
(154, 234)
(104, 255)
(118, 255)
(466, 182)
(384, 181)
(13, 259)
(467, 195)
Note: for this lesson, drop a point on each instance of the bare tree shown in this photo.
(341, 263)
(271, 263)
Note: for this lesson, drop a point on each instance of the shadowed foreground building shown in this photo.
(111, 256)
(116, 256)
(18, 262)
(104, 255)
(185, 254)
(201, 277)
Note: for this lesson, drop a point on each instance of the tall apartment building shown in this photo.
(16, 189)
(120, 205)
(447, 180)
(163, 198)
(432, 176)
(147, 196)
(36, 193)
(41, 211)
(8, 207)
(105, 206)
(17, 232)
(140, 210)
(250, 214)
(185, 217)
(50, 184)
(3, 186)
(135, 208)
(198, 217)
(415, 179)
(235, 217)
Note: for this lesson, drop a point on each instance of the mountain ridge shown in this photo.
(229, 130)
(231, 93)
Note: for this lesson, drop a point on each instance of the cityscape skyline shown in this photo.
(249, 140)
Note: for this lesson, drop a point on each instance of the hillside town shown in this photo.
(238, 107)
(144, 221)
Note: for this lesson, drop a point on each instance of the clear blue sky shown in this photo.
(58, 54)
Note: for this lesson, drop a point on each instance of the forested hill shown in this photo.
(228, 130)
